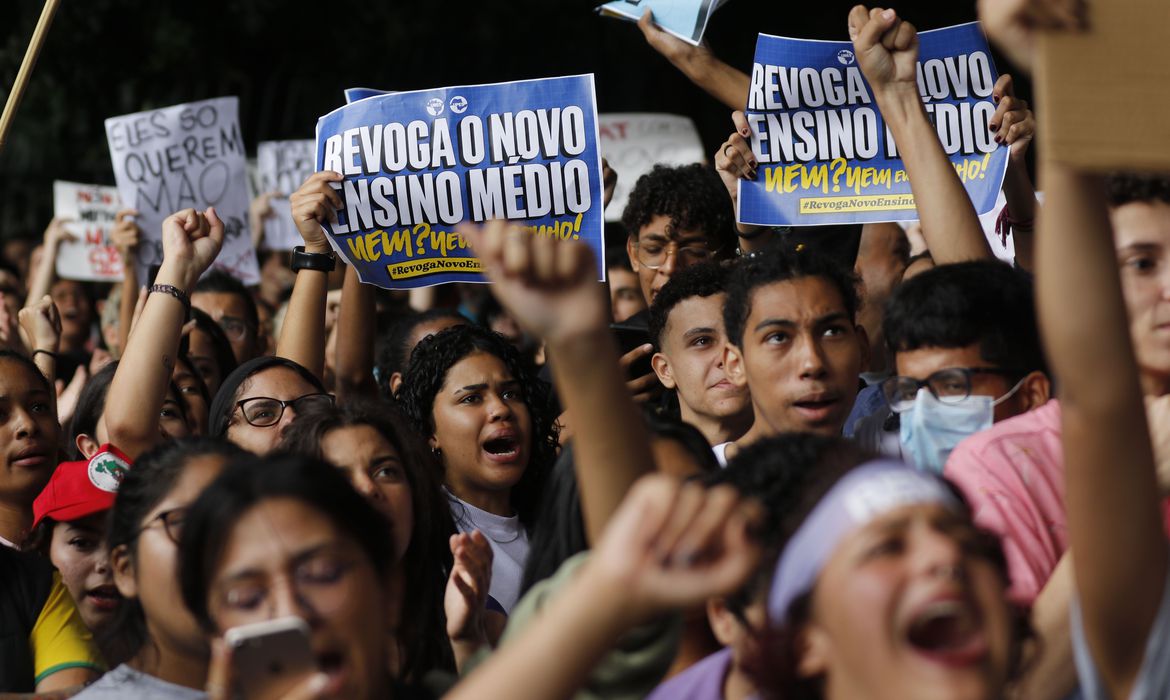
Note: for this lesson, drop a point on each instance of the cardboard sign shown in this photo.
(418, 163)
(825, 154)
(635, 143)
(91, 211)
(282, 166)
(185, 156)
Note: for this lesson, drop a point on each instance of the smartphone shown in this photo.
(271, 657)
(630, 337)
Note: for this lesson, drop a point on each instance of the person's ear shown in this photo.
(122, 565)
(863, 341)
(395, 383)
(1035, 391)
(723, 622)
(661, 367)
(733, 365)
(433, 443)
(815, 652)
(87, 446)
(632, 253)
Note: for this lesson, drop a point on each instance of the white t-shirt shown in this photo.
(124, 683)
(720, 451)
(509, 543)
(1153, 679)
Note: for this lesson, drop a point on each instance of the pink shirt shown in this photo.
(1013, 476)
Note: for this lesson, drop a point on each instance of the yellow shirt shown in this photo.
(59, 639)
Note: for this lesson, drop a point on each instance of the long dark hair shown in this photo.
(221, 347)
(90, 404)
(144, 486)
(246, 482)
(422, 633)
(427, 371)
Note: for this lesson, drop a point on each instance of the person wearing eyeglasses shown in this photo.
(966, 354)
(676, 217)
(259, 400)
(227, 301)
(167, 651)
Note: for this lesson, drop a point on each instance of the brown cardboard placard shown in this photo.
(1104, 94)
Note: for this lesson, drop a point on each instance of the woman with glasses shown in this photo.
(168, 653)
(488, 420)
(258, 401)
(289, 537)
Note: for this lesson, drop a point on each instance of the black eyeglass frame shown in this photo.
(891, 384)
(283, 405)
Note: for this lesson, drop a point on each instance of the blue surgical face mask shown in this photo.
(931, 429)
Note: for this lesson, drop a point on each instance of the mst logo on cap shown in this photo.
(106, 470)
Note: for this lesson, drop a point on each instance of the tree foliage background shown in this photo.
(289, 60)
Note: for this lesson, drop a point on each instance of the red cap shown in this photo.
(78, 489)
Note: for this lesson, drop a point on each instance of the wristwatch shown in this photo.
(323, 262)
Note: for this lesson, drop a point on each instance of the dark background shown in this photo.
(289, 60)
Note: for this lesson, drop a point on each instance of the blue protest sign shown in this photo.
(354, 94)
(418, 163)
(825, 154)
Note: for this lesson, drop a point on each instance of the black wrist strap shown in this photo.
(173, 291)
(323, 262)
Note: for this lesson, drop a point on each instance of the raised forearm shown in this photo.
(355, 341)
(610, 446)
(302, 335)
(949, 222)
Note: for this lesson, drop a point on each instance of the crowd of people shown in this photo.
(838, 462)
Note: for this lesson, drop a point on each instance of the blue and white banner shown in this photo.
(416, 164)
(825, 154)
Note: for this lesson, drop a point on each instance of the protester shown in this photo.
(488, 420)
(376, 449)
(288, 536)
(229, 304)
(625, 294)
(167, 652)
(210, 351)
(259, 400)
(69, 528)
(402, 338)
(686, 325)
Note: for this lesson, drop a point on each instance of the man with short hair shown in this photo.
(227, 301)
(686, 326)
(625, 294)
(793, 342)
(967, 354)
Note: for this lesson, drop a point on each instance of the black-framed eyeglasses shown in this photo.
(950, 385)
(653, 254)
(264, 411)
(172, 522)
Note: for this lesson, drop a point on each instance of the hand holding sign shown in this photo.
(315, 203)
(1013, 122)
(125, 234)
(191, 240)
(887, 49)
(548, 285)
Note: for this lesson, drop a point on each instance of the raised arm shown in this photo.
(699, 64)
(670, 546)
(1111, 492)
(41, 277)
(191, 240)
(125, 235)
(355, 340)
(41, 324)
(1014, 124)
(887, 52)
(735, 161)
(549, 286)
(302, 335)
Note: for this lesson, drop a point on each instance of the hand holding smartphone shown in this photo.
(264, 661)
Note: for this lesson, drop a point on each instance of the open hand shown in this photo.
(467, 587)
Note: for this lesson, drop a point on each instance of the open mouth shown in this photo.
(949, 632)
(502, 447)
(817, 407)
(332, 664)
(104, 597)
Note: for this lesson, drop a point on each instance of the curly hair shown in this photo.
(692, 196)
(426, 372)
(702, 280)
(422, 635)
(782, 264)
(394, 347)
(1132, 187)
